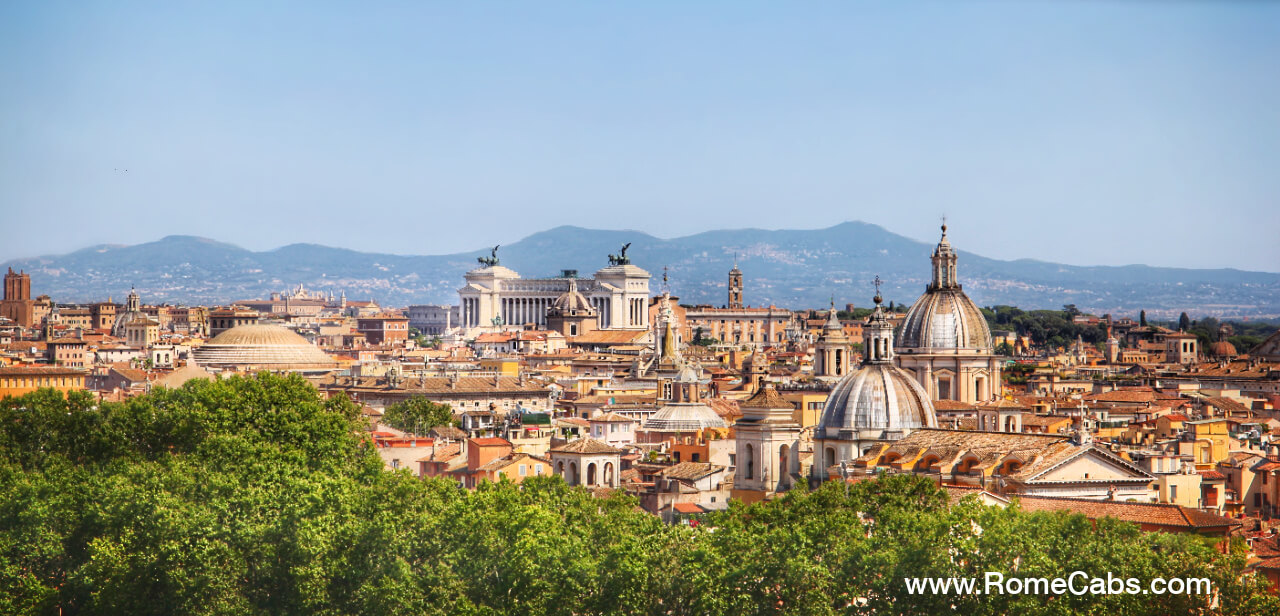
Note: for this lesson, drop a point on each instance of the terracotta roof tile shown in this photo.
(585, 446)
(766, 398)
(443, 453)
(1123, 395)
(690, 470)
(1173, 516)
(952, 405)
(508, 460)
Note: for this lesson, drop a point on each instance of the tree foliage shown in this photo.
(1047, 328)
(418, 414)
(256, 496)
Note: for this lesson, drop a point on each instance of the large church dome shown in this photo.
(263, 347)
(878, 397)
(944, 318)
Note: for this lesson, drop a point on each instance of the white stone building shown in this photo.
(495, 296)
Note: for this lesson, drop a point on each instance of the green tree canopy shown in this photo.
(257, 496)
(417, 414)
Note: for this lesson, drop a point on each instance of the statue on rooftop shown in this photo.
(492, 259)
(621, 258)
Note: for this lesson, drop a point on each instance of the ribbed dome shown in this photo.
(684, 417)
(571, 303)
(944, 318)
(1222, 348)
(263, 347)
(877, 396)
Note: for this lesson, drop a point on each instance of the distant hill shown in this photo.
(793, 269)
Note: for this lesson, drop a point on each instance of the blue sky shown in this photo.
(1082, 132)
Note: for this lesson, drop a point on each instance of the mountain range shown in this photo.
(786, 268)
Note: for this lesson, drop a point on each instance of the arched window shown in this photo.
(591, 474)
(749, 462)
(608, 474)
(573, 473)
(1010, 467)
(831, 457)
(927, 461)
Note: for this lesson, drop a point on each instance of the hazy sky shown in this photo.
(1085, 132)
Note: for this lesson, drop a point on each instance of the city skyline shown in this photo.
(435, 130)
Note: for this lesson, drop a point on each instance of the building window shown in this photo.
(1173, 493)
(523, 471)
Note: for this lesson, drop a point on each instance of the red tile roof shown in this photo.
(1171, 516)
(585, 446)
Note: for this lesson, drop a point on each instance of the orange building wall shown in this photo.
(18, 381)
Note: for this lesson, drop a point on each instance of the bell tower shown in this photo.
(831, 353)
(735, 286)
(877, 334)
(17, 287)
(17, 304)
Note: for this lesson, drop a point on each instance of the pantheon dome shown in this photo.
(876, 403)
(263, 347)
